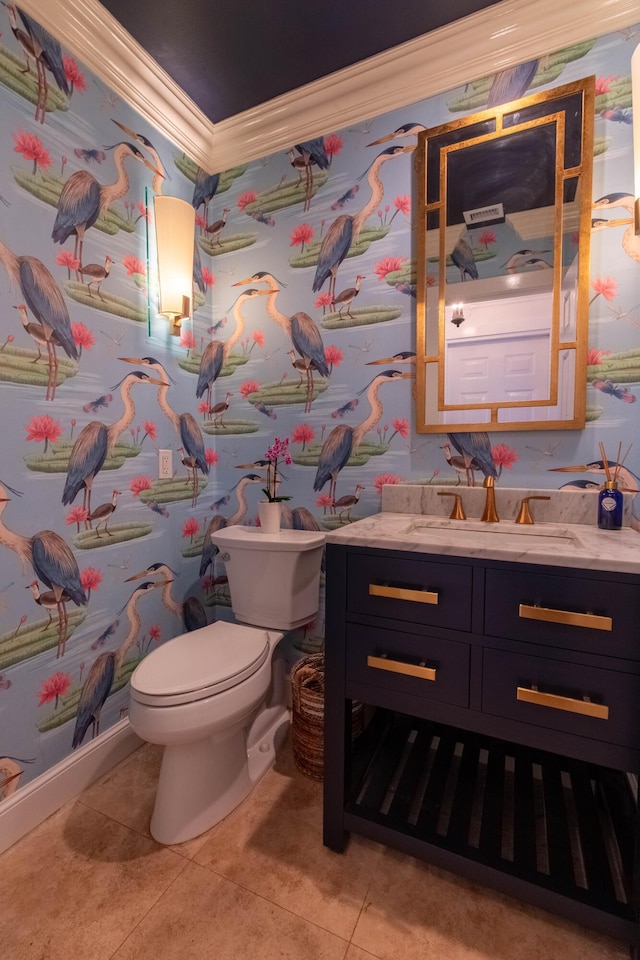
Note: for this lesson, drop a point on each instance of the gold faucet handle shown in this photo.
(457, 513)
(524, 514)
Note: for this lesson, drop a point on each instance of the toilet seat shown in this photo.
(200, 664)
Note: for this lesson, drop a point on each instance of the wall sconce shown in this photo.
(635, 100)
(175, 233)
(457, 316)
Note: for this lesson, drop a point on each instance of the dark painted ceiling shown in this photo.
(231, 55)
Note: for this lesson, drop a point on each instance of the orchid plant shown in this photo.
(277, 453)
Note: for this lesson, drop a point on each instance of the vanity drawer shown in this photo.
(405, 663)
(596, 616)
(509, 690)
(417, 591)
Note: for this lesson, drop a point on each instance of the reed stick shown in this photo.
(625, 456)
(605, 462)
(617, 467)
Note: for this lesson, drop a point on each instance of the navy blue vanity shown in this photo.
(505, 715)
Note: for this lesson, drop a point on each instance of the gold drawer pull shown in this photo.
(397, 666)
(598, 710)
(590, 620)
(401, 593)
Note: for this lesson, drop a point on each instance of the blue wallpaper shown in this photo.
(270, 354)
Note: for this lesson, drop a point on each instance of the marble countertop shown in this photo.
(556, 541)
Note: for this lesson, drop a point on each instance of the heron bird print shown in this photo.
(106, 668)
(301, 330)
(43, 297)
(344, 439)
(184, 423)
(345, 230)
(96, 441)
(52, 562)
(190, 611)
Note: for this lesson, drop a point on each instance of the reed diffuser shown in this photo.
(610, 498)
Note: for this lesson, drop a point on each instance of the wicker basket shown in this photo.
(307, 693)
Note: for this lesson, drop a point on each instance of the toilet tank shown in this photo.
(274, 579)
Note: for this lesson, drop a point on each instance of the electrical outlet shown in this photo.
(165, 467)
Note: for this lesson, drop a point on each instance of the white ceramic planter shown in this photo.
(270, 513)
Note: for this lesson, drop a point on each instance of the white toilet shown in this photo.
(216, 697)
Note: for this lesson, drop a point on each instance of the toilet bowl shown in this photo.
(216, 698)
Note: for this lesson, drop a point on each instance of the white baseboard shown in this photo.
(36, 801)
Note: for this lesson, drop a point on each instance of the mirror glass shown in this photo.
(504, 203)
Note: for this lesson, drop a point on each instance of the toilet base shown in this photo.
(201, 783)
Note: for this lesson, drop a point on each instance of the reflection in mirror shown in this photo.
(503, 292)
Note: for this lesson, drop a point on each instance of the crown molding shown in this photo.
(97, 39)
(490, 40)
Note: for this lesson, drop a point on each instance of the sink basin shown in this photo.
(506, 533)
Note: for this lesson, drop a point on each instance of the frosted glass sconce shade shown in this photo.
(175, 230)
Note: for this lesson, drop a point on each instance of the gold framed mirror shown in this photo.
(504, 200)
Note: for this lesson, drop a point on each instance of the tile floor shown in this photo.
(91, 884)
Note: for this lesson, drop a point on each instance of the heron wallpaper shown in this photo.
(303, 332)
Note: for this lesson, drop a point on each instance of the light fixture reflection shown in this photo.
(457, 316)
(175, 232)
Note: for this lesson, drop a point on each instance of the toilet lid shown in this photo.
(198, 664)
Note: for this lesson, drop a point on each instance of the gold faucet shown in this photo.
(457, 511)
(524, 514)
(490, 514)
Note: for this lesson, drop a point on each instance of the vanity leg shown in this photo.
(337, 710)
(337, 751)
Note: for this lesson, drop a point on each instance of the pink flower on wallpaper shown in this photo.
(138, 484)
(323, 300)
(66, 259)
(249, 196)
(300, 235)
(487, 237)
(74, 77)
(249, 386)
(154, 632)
(76, 515)
(402, 204)
(333, 355)
(207, 277)
(44, 428)
(187, 340)
(190, 528)
(431, 280)
(382, 478)
(401, 426)
(603, 84)
(302, 433)
(606, 287)
(258, 337)
(200, 221)
(53, 688)
(388, 265)
(324, 501)
(150, 429)
(203, 407)
(32, 148)
(504, 456)
(82, 336)
(333, 144)
(594, 356)
(90, 578)
(211, 457)
(133, 265)
(144, 213)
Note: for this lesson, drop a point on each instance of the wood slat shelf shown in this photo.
(564, 825)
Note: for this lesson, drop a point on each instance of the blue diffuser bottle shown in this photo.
(610, 506)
